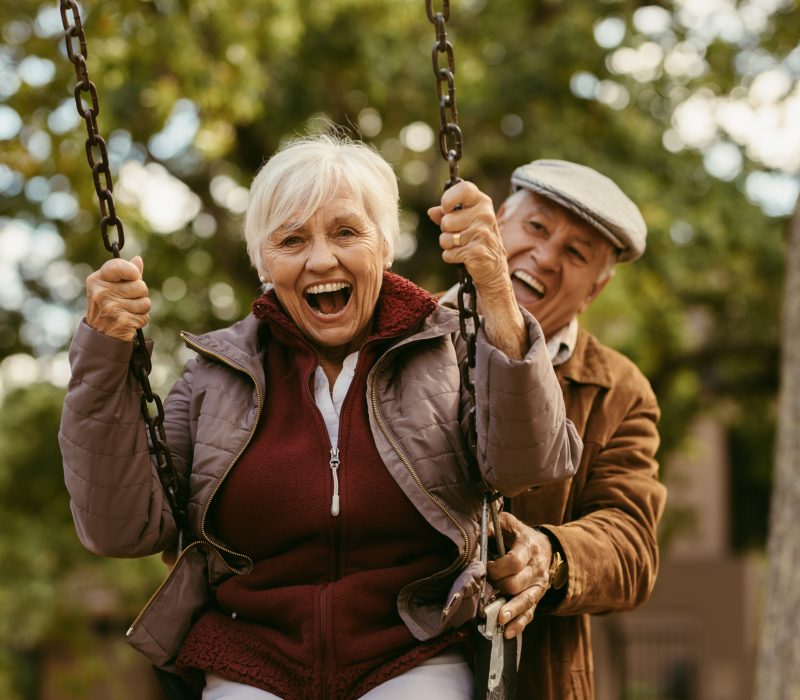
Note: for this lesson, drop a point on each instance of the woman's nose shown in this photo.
(320, 255)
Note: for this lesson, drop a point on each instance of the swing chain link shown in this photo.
(450, 137)
(97, 157)
(96, 151)
(450, 147)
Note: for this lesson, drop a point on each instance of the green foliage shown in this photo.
(49, 584)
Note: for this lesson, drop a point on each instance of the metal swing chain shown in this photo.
(97, 156)
(450, 146)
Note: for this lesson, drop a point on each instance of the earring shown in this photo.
(263, 279)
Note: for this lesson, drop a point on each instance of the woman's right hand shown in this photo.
(118, 298)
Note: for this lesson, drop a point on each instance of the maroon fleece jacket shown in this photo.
(317, 616)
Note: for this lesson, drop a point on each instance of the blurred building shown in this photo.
(696, 637)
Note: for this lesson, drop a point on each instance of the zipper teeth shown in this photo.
(204, 534)
(463, 558)
(160, 588)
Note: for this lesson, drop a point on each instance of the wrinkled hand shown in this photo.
(524, 573)
(470, 236)
(118, 298)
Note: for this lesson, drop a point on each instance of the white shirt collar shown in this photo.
(562, 343)
(330, 402)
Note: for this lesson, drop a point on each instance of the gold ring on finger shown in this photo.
(456, 240)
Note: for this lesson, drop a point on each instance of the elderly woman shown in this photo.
(333, 495)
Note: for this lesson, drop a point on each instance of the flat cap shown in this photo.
(592, 196)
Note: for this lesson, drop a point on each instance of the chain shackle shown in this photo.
(97, 157)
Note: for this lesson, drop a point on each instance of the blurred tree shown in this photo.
(778, 670)
(49, 582)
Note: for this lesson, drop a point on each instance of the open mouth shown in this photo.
(328, 299)
(530, 282)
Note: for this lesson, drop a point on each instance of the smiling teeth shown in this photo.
(330, 287)
(534, 284)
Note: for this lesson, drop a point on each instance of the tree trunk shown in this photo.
(778, 671)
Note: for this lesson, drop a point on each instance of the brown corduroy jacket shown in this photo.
(604, 519)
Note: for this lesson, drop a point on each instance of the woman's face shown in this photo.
(328, 272)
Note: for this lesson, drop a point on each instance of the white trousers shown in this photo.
(444, 677)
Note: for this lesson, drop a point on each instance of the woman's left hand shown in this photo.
(470, 236)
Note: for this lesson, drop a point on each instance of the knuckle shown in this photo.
(522, 557)
(519, 585)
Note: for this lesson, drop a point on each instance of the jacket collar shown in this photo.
(588, 365)
(239, 345)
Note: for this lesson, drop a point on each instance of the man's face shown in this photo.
(557, 261)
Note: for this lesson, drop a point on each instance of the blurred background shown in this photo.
(692, 107)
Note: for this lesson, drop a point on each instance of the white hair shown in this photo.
(609, 265)
(305, 173)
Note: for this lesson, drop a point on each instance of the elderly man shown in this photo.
(587, 545)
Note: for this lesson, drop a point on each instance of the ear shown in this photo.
(387, 260)
(594, 292)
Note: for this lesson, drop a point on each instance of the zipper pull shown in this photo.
(334, 464)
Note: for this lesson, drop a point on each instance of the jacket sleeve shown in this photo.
(524, 436)
(117, 502)
(610, 544)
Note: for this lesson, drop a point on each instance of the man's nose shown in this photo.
(546, 254)
(320, 255)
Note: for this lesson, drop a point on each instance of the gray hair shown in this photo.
(308, 171)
